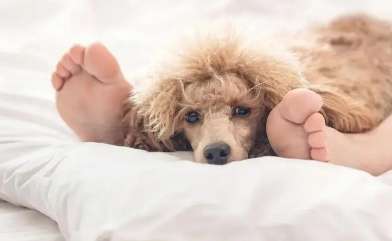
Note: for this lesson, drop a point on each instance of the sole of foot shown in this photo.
(295, 127)
(90, 92)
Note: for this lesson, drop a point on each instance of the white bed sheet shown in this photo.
(22, 224)
(35, 34)
(19, 223)
(52, 172)
(352, 196)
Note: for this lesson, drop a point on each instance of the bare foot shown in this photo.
(296, 129)
(90, 92)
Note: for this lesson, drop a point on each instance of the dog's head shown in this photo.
(216, 98)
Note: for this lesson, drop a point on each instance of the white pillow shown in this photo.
(102, 192)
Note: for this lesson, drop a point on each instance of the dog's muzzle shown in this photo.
(217, 153)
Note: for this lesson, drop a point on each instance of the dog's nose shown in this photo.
(217, 153)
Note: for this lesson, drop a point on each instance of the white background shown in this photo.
(34, 34)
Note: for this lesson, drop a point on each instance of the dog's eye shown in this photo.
(192, 117)
(241, 111)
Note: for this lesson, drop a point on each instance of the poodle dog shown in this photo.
(216, 97)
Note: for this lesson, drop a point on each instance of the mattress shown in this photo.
(36, 33)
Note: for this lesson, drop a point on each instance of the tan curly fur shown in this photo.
(348, 62)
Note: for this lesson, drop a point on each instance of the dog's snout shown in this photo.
(217, 153)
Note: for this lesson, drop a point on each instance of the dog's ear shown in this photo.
(159, 106)
(149, 118)
(134, 132)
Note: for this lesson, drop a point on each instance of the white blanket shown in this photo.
(22, 224)
(98, 192)
(102, 192)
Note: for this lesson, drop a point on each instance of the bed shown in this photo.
(353, 204)
(19, 224)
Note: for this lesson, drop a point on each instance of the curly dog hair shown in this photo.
(348, 62)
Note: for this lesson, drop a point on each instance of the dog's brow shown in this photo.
(220, 78)
(259, 84)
